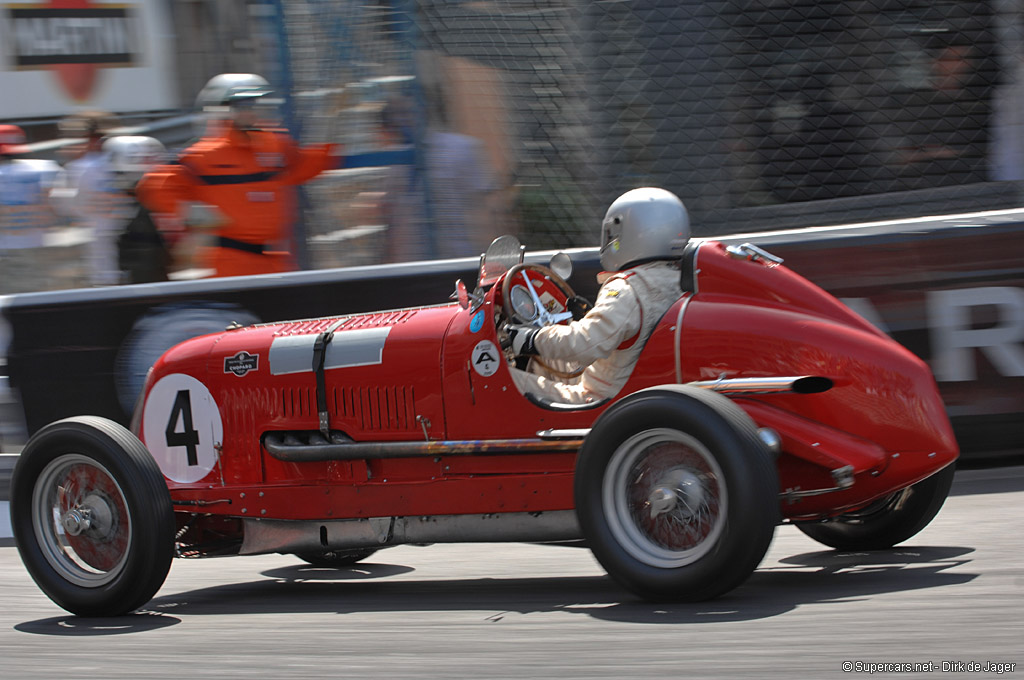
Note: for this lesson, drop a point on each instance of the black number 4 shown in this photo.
(189, 436)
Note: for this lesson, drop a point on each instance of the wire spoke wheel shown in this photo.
(675, 493)
(81, 520)
(664, 497)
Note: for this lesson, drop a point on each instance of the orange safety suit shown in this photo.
(248, 176)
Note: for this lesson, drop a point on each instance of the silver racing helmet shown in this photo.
(641, 225)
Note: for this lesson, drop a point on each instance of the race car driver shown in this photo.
(247, 170)
(642, 238)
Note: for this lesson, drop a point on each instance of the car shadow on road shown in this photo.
(815, 578)
(80, 626)
(811, 578)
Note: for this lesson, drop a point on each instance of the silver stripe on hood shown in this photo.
(360, 347)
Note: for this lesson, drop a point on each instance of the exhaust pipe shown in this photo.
(804, 384)
(291, 536)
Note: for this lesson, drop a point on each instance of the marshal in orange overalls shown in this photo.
(250, 176)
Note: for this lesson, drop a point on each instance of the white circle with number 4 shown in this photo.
(181, 426)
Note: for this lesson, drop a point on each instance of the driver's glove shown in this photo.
(578, 306)
(521, 338)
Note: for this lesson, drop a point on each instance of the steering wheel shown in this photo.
(542, 317)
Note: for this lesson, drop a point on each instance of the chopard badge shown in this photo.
(241, 363)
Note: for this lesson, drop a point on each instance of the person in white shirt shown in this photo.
(84, 194)
(143, 252)
(25, 214)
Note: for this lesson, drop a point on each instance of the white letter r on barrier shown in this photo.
(953, 339)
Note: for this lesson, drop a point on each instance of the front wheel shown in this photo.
(887, 521)
(92, 517)
(676, 494)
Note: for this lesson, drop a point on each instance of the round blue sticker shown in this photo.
(478, 322)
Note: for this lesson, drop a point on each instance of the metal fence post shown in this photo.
(294, 127)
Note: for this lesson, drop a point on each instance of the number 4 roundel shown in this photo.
(181, 425)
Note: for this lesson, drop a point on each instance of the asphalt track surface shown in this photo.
(952, 595)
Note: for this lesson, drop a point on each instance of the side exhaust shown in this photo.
(804, 384)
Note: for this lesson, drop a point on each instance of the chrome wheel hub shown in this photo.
(76, 520)
(92, 516)
(680, 492)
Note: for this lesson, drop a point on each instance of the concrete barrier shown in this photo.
(7, 461)
(6, 535)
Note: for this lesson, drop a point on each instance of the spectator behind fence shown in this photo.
(245, 168)
(456, 182)
(460, 180)
(25, 215)
(407, 238)
(142, 251)
(83, 195)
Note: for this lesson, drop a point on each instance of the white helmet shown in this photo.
(643, 224)
(217, 89)
(235, 97)
(131, 157)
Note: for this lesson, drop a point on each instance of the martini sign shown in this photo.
(82, 49)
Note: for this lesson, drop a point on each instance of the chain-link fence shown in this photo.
(532, 115)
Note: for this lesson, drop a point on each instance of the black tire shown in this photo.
(696, 460)
(336, 559)
(888, 521)
(96, 481)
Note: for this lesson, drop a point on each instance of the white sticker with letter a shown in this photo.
(486, 358)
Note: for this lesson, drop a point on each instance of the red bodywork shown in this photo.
(477, 441)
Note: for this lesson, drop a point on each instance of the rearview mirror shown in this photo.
(561, 264)
(504, 253)
(461, 294)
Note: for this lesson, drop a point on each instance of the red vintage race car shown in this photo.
(757, 399)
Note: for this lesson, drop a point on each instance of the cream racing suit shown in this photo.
(609, 339)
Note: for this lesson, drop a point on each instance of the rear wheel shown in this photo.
(675, 494)
(92, 517)
(887, 521)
